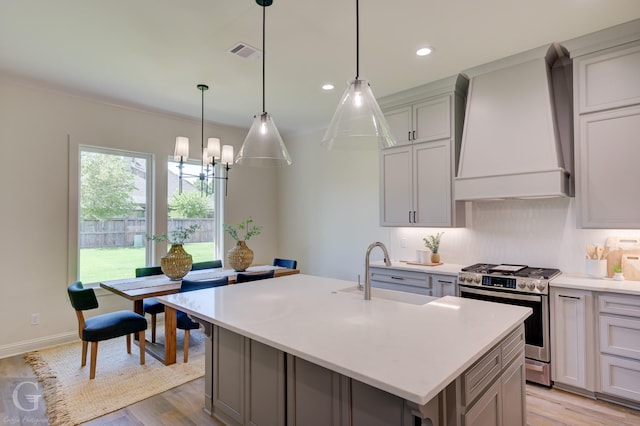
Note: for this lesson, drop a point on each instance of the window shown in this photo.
(193, 201)
(114, 213)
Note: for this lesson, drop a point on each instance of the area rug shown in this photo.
(120, 379)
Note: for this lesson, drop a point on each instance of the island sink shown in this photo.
(396, 296)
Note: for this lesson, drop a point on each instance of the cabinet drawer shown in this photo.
(480, 376)
(620, 336)
(513, 346)
(404, 278)
(620, 377)
(619, 305)
(610, 80)
(401, 287)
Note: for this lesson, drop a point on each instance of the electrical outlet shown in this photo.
(35, 319)
(403, 242)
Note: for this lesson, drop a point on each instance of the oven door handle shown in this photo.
(503, 295)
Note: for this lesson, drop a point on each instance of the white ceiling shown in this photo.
(154, 52)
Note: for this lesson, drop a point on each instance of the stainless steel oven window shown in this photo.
(536, 326)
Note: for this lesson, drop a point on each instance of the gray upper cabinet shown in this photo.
(416, 176)
(607, 117)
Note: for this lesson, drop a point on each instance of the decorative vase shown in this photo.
(435, 257)
(176, 263)
(618, 276)
(240, 257)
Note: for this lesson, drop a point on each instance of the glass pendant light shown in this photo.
(358, 115)
(263, 146)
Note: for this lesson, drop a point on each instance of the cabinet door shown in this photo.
(608, 169)
(432, 119)
(264, 385)
(396, 186)
(373, 407)
(432, 188)
(314, 394)
(488, 410)
(399, 121)
(443, 285)
(514, 401)
(570, 313)
(228, 373)
(609, 80)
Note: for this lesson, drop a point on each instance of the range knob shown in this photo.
(531, 285)
(522, 284)
(477, 279)
(541, 285)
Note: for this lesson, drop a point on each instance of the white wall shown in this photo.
(35, 125)
(331, 202)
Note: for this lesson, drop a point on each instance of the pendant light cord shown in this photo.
(357, 41)
(202, 133)
(264, 53)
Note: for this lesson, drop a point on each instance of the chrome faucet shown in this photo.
(367, 278)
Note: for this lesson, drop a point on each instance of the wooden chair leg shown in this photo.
(142, 340)
(186, 345)
(153, 328)
(94, 357)
(128, 343)
(85, 344)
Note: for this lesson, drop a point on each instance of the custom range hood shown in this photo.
(517, 140)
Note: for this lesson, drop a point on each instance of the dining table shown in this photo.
(140, 288)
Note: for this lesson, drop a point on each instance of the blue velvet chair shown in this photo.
(183, 322)
(103, 327)
(151, 306)
(244, 277)
(285, 263)
(210, 264)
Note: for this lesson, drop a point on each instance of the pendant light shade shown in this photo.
(263, 146)
(358, 117)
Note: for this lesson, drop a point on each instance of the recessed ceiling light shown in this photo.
(424, 51)
(327, 86)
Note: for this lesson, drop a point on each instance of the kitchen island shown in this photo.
(309, 350)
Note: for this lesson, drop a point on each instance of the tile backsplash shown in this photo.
(540, 232)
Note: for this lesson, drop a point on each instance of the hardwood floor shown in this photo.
(183, 406)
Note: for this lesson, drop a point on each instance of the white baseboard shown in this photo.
(36, 344)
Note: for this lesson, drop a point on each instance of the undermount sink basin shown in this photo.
(396, 296)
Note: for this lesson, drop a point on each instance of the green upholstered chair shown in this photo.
(285, 263)
(150, 305)
(103, 327)
(183, 322)
(244, 277)
(209, 264)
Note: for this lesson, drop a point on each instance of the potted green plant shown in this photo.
(432, 242)
(241, 256)
(177, 262)
(617, 273)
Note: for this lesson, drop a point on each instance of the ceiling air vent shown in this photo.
(245, 51)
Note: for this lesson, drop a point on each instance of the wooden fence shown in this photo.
(132, 232)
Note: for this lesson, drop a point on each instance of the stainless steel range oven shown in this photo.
(523, 286)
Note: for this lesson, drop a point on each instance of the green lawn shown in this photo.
(100, 264)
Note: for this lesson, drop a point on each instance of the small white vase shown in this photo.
(618, 276)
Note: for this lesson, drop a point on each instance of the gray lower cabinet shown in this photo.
(248, 381)
(255, 384)
(436, 285)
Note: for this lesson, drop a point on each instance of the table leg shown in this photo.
(137, 308)
(170, 323)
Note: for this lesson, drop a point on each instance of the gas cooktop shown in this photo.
(513, 270)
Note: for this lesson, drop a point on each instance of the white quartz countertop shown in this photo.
(445, 268)
(410, 350)
(596, 284)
